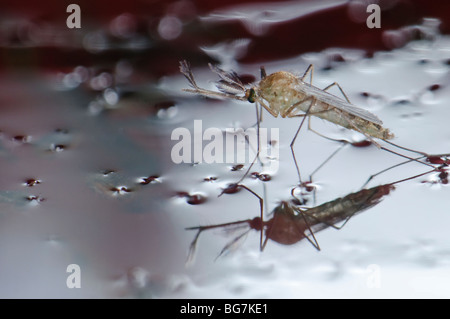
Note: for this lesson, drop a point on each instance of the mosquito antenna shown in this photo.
(230, 77)
(231, 243)
(229, 89)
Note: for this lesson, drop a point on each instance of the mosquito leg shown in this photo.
(340, 89)
(389, 142)
(261, 205)
(260, 113)
(313, 101)
(387, 169)
(309, 70)
(407, 149)
(324, 136)
(314, 243)
(258, 126)
(257, 145)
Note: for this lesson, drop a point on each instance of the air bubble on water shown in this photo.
(101, 81)
(34, 200)
(170, 27)
(123, 26)
(111, 96)
(138, 277)
(228, 52)
(210, 179)
(123, 70)
(149, 180)
(82, 73)
(95, 42)
(71, 80)
(428, 97)
(95, 107)
(30, 182)
(57, 148)
(120, 190)
(24, 139)
(166, 114)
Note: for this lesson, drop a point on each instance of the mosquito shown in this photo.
(286, 95)
(291, 223)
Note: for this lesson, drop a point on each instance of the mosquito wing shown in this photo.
(338, 103)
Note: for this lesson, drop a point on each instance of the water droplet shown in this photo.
(95, 42)
(138, 277)
(111, 96)
(192, 199)
(57, 148)
(101, 81)
(231, 189)
(261, 177)
(120, 190)
(35, 199)
(363, 143)
(237, 167)
(123, 26)
(149, 180)
(106, 172)
(196, 199)
(168, 113)
(434, 87)
(30, 182)
(169, 28)
(22, 138)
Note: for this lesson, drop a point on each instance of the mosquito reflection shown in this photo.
(291, 222)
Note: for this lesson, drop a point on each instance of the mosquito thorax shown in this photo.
(279, 89)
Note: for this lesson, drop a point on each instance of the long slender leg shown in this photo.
(340, 89)
(410, 159)
(387, 169)
(261, 211)
(258, 126)
(200, 229)
(258, 122)
(314, 243)
(313, 100)
(310, 70)
(324, 136)
(382, 147)
(389, 142)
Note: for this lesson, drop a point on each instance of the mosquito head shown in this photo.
(250, 94)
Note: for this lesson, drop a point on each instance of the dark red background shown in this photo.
(314, 32)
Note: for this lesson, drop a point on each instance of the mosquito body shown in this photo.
(291, 223)
(286, 95)
(282, 93)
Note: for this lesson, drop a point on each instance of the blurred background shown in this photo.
(86, 116)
